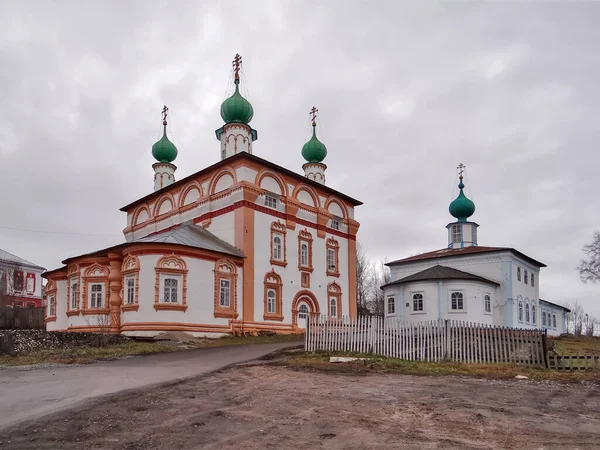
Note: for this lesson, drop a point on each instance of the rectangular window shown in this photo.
(270, 202)
(18, 281)
(532, 280)
(487, 303)
(525, 277)
(130, 290)
(170, 290)
(457, 301)
(51, 306)
(335, 224)
(543, 318)
(74, 296)
(417, 302)
(30, 282)
(391, 305)
(457, 236)
(553, 320)
(224, 299)
(518, 274)
(96, 295)
(331, 259)
(271, 298)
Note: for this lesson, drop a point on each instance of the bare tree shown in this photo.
(11, 282)
(382, 276)
(575, 319)
(589, 269)
(364, 280)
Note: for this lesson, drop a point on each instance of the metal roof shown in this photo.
(13, 259)
(441, 273)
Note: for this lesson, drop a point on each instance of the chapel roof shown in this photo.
(441, 273)
(251, 157)
(11, 259)
(466, 251)
(555, 304)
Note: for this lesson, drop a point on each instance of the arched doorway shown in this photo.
(304, 306)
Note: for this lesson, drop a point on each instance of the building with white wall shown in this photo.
(20, 281)
(241, 246)
(468, 282)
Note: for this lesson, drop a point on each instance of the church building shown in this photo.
(468, 282)
(243, 245)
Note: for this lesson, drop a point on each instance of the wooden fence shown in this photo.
(15, 318)
(573, 362)
(428, 341)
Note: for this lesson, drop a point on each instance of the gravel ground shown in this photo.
(272, 407)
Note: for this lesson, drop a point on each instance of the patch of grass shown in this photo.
(261, 339)
(571, 345)
(82, 355)
(320, 361)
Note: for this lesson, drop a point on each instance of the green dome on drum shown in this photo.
(236, 109)
(164, 150)
(462, 207)
(314, 150)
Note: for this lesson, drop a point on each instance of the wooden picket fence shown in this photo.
(428, 341)
(574, 362)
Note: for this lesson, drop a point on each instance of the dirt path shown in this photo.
(268, 407)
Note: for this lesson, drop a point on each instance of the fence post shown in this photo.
(447, 335)
(545, 348)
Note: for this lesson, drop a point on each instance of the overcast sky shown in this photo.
(405, 90)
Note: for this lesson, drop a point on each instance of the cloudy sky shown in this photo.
(406, 91)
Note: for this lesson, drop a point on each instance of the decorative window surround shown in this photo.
(305, 279)
(51, 295)
(225, 270)
(95, 274)
(457, 302)
(305, 259)
(278, 256)
(334, 291)
(74, 279)
(167, 266)
(273, 284)
(131, 270)
(332, 256)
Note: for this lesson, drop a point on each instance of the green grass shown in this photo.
(320, 361)
(82, 355)
(241, 340)
(571, 345)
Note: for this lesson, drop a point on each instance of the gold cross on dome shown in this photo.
(237, 64)
(313, 114)
(165, 110)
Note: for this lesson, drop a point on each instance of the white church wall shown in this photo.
(304, 197)
(244, 173)
(270, 184)
(223, 227)
(61, 322)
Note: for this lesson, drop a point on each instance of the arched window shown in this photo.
(553, 320)
(457, 301)
(277, 248)
(303, 311)
(271, 301)
(333, 307)
(333, 248)
(304, 254)
(225, 292)
(520, 311)
(533, 314)
(487, 302)
(418, 302)
(527, 312)
(391, 305)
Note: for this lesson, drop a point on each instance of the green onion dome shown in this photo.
(236, 109)
(164, 151)
(462, 208)
(314, 150)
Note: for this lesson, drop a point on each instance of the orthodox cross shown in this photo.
(313, 115)
(237, 63)
(164, 113)
(461, 168)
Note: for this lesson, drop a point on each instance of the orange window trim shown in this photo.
(73, 275)
(170, 265)
(225, 270)
(304, 237)
(279, 230)
(305, 279)
(130, 268)
(273, 281)
(333, 244)
(95, 274)
(334, 291)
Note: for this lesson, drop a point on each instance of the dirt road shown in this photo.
(26, 394)
(266, 407)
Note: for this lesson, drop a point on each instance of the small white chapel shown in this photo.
(469, 282)
(241, 246)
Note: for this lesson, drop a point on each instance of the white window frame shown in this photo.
(335, 224)
(128, 291)
(487, 301)
(518, 273)
(51, 306)
(527, 312)
(520, 310)
(525, 276)
(271, 301)
(331, 259)
(464, 302)
(301, 313)
(333, 307)
(74, 294)
(303, 253)
(169, 298)
(277, 248)
(533, 314)
(93, 299)
(456, 233)
(532, 279)
(391, 301)
(412, 302)
(554, 320)
(224, 293)
(270, 201)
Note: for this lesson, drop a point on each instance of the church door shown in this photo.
(303, 315)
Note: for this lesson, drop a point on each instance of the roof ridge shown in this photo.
(19, 260)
